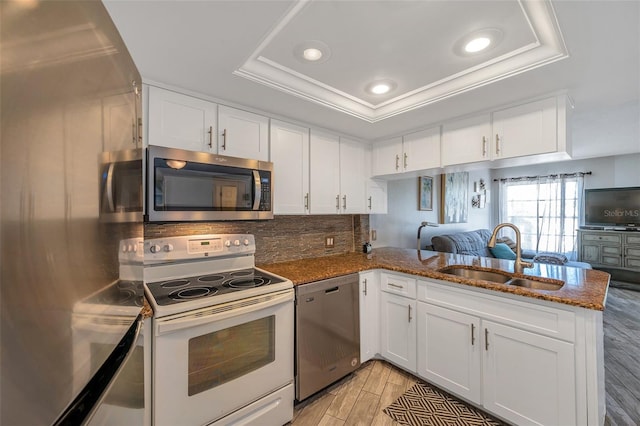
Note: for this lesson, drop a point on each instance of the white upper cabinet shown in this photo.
(467, 140)
(242, 134)
(181, 121)
(386, 157)
(413, 152)
(119, 123)
(421, 150)
(376, 196)
(526, 130)
(324, 168)
(353, 169)
(290, 156)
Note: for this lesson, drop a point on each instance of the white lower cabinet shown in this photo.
(449, 349)
(369, 315)
(529, 379)
(398, 330)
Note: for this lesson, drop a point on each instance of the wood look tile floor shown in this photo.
(359, 398)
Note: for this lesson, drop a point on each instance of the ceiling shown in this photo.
(248, 53)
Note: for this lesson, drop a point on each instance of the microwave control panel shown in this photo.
(265, 191)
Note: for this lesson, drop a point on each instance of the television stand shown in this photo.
(610, 249)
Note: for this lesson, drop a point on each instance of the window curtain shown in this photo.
(547, 209)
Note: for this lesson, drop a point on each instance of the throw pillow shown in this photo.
(553, 258)
(508, 241)
(502, 251)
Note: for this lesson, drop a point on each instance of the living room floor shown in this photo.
(360, 397)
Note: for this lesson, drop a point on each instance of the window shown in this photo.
(547, 211)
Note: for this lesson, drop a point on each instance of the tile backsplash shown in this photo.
(284, 237)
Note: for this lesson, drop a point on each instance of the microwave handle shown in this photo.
(257, 191)
(112, 207)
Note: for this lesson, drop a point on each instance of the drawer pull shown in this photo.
(486, 339)
(409, 313)
(396, 286)
(365, 286)
(473, 332)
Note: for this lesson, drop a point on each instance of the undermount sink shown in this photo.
(535, 284)
(476, 274)
(502, 278)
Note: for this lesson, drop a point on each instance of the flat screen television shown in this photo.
(612, 207)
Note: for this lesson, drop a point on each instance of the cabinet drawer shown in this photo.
(632, 239)
(631, 262)
(527, 316)
(398, 284)
(609, 250)
(602, 238)
(611, 260)
(632, 251)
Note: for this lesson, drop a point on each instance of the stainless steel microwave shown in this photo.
(198, 186)
(121, 198)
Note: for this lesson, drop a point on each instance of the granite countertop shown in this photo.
(586, 288)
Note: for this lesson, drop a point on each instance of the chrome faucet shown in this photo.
(520, 264)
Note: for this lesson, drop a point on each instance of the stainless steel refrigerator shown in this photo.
(72, 348)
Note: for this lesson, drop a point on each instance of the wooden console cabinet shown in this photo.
(610, 249)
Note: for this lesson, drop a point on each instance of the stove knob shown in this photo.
(124, 248)
(246, 242)
(236, 243)
(168, 247)
(227, 243)
(130, 248)
(154, 248)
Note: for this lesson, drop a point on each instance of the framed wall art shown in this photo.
(425, 193)
(454, 202)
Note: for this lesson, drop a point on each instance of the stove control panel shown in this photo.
(198, 246)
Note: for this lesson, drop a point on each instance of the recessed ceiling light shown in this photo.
(312, 54)
(477, 44)
(312, 51)
(380, 87)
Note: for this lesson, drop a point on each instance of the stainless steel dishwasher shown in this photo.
(327, 333)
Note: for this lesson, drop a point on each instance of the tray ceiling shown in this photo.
(416, 45)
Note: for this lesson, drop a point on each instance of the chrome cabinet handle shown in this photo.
(409, 313)
(397, 161)
(224, 139)
(211, 136)
(344, 202)
(306, 201)
(338, 202)
(497, 144)
(405, 160)
(473, 332)
(369, 202)
(484, 146)
(133, 131)
(365, 286)
(395, 285)
(486, 339)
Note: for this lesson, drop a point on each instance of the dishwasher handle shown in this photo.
(332, 290)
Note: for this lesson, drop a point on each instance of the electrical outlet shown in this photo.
(329, 242)
(374, 235)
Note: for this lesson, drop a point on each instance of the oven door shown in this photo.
(211, 362)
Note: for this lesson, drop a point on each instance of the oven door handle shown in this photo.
(223, 311)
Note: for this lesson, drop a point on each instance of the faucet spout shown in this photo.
(519, 263)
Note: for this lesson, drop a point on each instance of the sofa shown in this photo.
(475, 243)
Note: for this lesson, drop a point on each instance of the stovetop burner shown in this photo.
(179, 290)
(121, 293)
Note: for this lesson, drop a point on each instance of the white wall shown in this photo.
(399, 227)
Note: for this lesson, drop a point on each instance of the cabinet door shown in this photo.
(387, 157)
(376, 196)
(243, 134)
(369, 315)
(421, 150)
(525, 130)
(398, 330)
(119, 122)
(324, 170)
(180, 121)
(449, 351)
(466, 140)
(290, 157)
(352, 177)
(528, 379)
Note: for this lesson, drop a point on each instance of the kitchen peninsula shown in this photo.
(525, 355)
